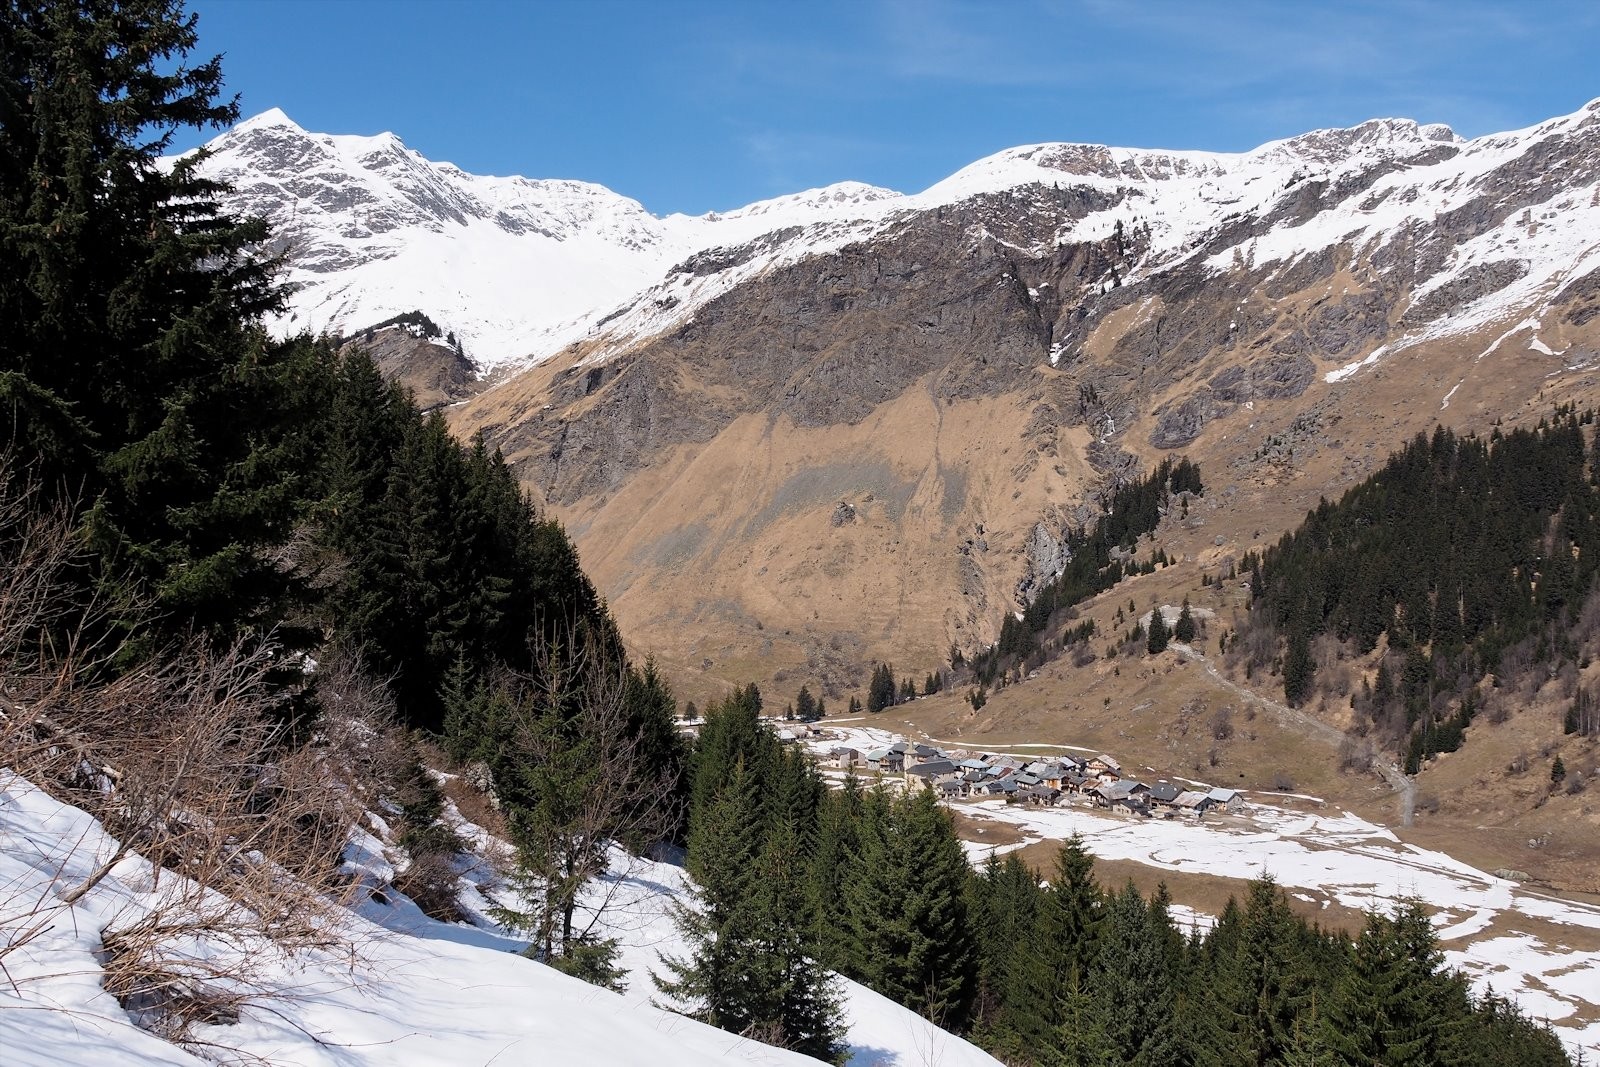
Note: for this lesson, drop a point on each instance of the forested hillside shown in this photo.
(245, 577)
(1050, 971)
(1469, 563)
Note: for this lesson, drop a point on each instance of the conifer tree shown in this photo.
(881, 690)
(1014, 1001)
(1159, 635)
(1260, 979)
(133, 367)
(909, 906)
(1184, 630)
(724, 845)
(834, 867)
(1136, 984)
(1070, 927)
(1081, 1039)
(1298, 668)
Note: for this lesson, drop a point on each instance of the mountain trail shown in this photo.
(1398, 780)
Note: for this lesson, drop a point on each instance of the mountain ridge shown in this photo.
(344, 206)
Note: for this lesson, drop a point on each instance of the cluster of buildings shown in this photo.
(1046, 783)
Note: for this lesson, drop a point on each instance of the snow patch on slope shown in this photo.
(412, 991)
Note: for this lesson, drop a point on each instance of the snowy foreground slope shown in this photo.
(520, 268)
(412, 992)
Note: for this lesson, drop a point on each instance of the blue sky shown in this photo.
(696, 106)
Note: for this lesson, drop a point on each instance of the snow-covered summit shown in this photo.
(519, 268)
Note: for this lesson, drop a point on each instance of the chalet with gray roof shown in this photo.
(1228, 800)
(932, 772)
(1122, 795)
(1002, 787)
(1164, 793)
(886, 759)
(1040, 796)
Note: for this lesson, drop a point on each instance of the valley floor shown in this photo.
(1538, 948)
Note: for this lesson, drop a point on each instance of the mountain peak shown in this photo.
(272, 118)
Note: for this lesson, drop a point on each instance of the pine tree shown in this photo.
(1260, 980)
(133, 369)
(834, 866)
(787, 999)
(1136, 983)
(1185, 629)
(909, 905)
(1159, 635)
(1298, 669)
(1070, 918)
(1014, 1000)
(880, 691)
(715, 921)
(805, 705)
(1081, 1039)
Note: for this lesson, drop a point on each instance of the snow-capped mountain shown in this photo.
(514, 266)
(519, 268)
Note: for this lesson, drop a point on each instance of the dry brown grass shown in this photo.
(186, 760)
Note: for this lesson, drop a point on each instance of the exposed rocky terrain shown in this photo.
(854, 424)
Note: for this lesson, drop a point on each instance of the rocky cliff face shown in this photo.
(961, 370)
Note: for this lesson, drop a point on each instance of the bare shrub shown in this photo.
(185, 759)
(1355, 755)
(1282, 782)
(1427, 803)
(1222, 724)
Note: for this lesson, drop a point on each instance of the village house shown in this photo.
(1077, 782)
(932, 772)
(1229, 800)
(1164, 793)
(886, 759)
(1003, 787)
(1104, 768)
(1041, 795)
(1122, 795)
(845, 758)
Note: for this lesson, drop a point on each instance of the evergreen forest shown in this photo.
(1469, 563)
